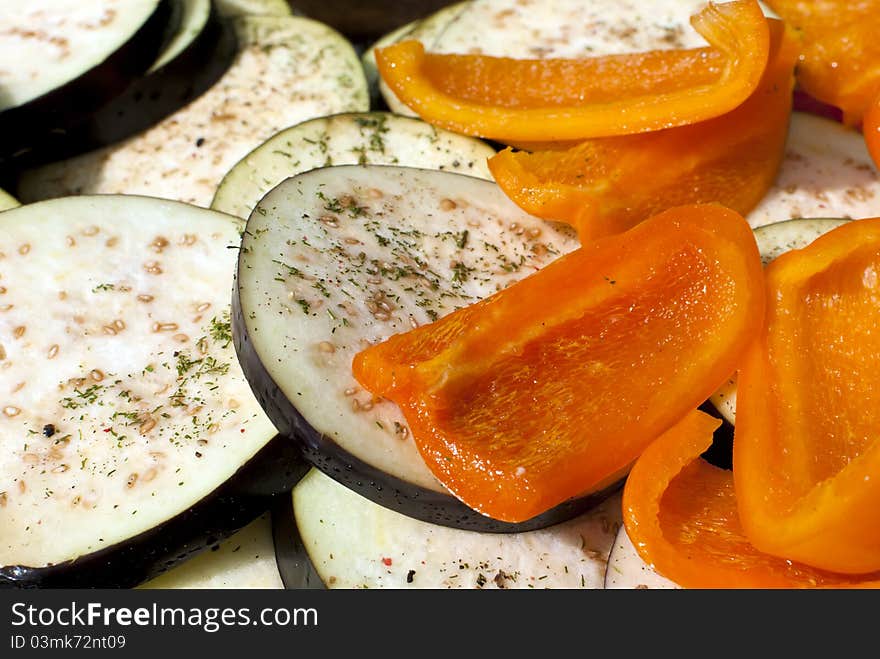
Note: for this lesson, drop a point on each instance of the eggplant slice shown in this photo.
(358, 138)
(341, 257)
(131, 438)
(287, 70)
(71, 58)
(330, 536)
(826, 172)
(244, 560)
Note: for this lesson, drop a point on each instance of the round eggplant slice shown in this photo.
(774, 240)
(244, 560)
(358, 138)
(287, 69)
(626, 569)
(131, 438)
(72, 57)
(332, 537)
(341, 257)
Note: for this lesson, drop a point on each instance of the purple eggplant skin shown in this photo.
(271, 472)
(25, 126)
(294, 565)
(148, 100)
(365, 479)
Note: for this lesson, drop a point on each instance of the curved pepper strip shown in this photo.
(840, 62)
(607, 185)
(681, 514)
(551, 388)
(516, 108)
(806, 453)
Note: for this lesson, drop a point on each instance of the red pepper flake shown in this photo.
(386, 561)
(107, 429)
(242, 430)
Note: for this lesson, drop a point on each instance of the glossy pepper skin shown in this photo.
(682, 516)
(541, 100)
(807, 442)
(871, 129)
(839, 60)
(552, 387)
(606, 185)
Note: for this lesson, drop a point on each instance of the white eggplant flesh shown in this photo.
(361, 138)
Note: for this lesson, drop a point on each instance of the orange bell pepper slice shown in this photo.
(681, 514)
(806, 450)
(609, 184)
(537, 100)
(551, 388)
(840, 62)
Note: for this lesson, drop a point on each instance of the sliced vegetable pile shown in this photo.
(553, 386)
(337, 258)
(439, 362)
(600, 187)
(452, 378)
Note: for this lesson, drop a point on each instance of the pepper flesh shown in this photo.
(681, 514)
(871, 130)
(607, 185)
(839, 62)
(552, 387)
(806, 449)
(456, 92)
